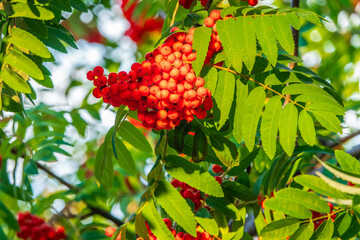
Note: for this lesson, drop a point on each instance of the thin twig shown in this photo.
(208, 5)
(261, 84)
(94, 210)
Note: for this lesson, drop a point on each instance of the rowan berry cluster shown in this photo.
(215, 43)
(34, 228)
(164, 88)
(318, 222)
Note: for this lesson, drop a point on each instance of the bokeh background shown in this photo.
(114, 34)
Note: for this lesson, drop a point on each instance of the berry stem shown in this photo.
(208, 5)
(328, 216)
(261, 84)
(174, 14)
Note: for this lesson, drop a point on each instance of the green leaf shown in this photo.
(203, 217)
(140, 226)
(14, 81)
(266, 37)
(253, 109)
(347, 162)
(326, 107)
(241, 95)
(200, 146)
(200, 45)
(224, 96)
(338, 173)
(338, 186)
(259, 219)
(47, 82)
(62, 36)
(104, 168)
(2, 234)
(280, 229)
(61, 5)
(247, 41)
(288, 128)
(294, 20)
(318, 185)
(230, 42)
(211, 80)
(309, 16)
(54, 43)
(326, 232)
(225, 150)
(244, 163)
(288, 207)
(192, 174)
(11, 103)
(282, 30)
(222, 205)
(124, 158)
(23, 63)
(270, 125)
(132, 135)
(272, 80)
(308, 199)
(304, 232)
(307, 128)
(25, 40)
(31, 11)
(180, 132)
(155, 221)
(328, 120)
(79, 5)
(78, 122)
(37, 27)
(238, 190)
(8, 217)
(175, 206)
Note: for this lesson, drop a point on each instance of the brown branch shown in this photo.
(62, 181)
(94, 210)
(342, 140)
(208, 5)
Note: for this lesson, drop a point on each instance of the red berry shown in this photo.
(98, 71)
(97, 93)
(218, 179)
(215, 14)
(90, 75)
(175, 183)
(217, 168)
(109, 231)
(253, 2)
(209, 22)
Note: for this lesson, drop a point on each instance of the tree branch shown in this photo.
(94, 210)
(208, 5)
(295, 4)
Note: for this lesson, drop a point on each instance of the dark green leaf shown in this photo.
(124, 158)
(132, 135)
(192, 174)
